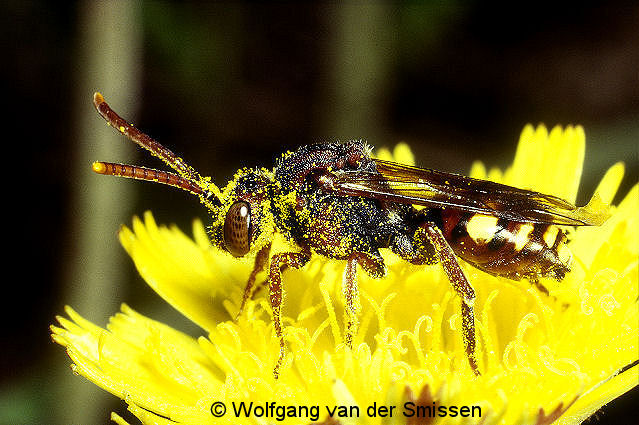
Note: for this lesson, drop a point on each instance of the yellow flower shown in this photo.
(543, 358)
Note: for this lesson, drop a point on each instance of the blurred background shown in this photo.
(228, 85)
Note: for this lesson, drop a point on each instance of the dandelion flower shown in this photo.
(544, 359)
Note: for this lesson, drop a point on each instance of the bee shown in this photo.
(334, 200)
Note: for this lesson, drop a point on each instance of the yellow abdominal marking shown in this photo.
(550, 235)
(522, 236)
(482, 228)
(564, 254)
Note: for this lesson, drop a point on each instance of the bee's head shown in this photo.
(244, 221)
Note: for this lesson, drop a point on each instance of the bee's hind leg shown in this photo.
(534, 281)
(460, 284)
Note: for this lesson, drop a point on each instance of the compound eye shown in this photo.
(237, 229)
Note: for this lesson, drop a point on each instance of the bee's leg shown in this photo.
(461, 286)
(540, 287)
(373, 264)
(278, 263)
(351, 295)
(260, 261)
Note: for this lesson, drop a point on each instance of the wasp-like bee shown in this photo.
(335, 200)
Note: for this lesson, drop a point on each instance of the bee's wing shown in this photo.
(406, 184)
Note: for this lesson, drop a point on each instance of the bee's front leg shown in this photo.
(460, 284)
(260, 262)
(278, 263)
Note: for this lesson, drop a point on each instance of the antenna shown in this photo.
(186, 178)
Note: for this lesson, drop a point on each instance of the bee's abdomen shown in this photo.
(507, 248)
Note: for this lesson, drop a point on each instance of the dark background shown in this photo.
(234, 84)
